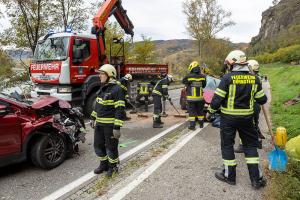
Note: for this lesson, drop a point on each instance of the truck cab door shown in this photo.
(10, 131)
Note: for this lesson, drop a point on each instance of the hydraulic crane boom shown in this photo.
(110, 7)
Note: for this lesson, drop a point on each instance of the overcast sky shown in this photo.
(163, 19)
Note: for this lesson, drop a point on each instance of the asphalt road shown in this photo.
(189, 172)
(23, 181)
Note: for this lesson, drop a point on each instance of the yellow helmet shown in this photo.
(254, 65)
(193, 65)
(109, 70)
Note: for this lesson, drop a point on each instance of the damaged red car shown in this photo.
(45, 131)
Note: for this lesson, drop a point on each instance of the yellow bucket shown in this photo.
(281, 137)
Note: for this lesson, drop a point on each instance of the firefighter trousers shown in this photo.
(105, 145)
(257, 110)
(195, 109)
(246, 129)
(157, 107)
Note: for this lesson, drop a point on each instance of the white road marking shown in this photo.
(89, 176)
(137, 181)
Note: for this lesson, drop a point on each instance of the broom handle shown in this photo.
(268, 123)
(174, 107)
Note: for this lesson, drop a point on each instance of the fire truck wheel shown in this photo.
(90, 104)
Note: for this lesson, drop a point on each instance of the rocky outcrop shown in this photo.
(278, 18)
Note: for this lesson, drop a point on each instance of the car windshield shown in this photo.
(212, 83)
(52, 49)
(15, 97)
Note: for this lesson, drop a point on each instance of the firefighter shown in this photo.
(107, 116)
(195, 82)
(124, 83)
(144, 90)
(235, 95)
(160, 91)
(254, 67)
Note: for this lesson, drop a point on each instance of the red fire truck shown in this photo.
(64, 64)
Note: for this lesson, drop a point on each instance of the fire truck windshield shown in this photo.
(52, 49)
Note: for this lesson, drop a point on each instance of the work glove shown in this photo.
(208, 116)
(92, 124)
(117, 134)
(170, 99)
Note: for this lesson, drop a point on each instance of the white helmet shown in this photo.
(109, 70)
(236, 57)
(170, 78)
(254, 65)
(128, 77)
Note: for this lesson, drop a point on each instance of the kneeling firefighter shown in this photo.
(235, 95)
(109, 108)
(160, 91)
(195, 82)
(144, 90)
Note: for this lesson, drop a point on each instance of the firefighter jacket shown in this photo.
(110, 105)
(194, 85)
(124, 84)
(237, 93)
(161, 88)
(144, 88)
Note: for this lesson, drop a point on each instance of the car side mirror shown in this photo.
(3, 110)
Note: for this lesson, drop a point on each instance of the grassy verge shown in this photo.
(285, 85)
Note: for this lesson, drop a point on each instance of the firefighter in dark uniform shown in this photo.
(107, 116)
(160, 91)
(124, 83)
(254, 66)
(236, 95)
(195, 82)
(144, 90)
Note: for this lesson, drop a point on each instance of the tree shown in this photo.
(144, 51)
(31, 19)
(275, 2)
(205, 18)
(28, 22)
(71, 13)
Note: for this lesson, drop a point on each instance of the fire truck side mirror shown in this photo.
(78, 42)
(77, 54)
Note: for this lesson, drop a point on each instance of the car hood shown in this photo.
(45, 101)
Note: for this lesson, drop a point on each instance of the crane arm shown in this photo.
(110, 7)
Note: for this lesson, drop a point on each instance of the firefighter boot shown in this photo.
(257, 184)
(112, 170)
(231, 175)
(239, 149)
(201, 123)
(159, 121)
(156, 123)
(192, 125)
(102, 167)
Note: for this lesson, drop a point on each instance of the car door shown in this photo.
(10, 132)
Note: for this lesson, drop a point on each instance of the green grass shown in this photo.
(285, 85)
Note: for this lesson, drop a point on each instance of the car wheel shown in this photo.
(49, 152)
(90, 105)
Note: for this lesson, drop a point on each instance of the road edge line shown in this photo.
(86, 179)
